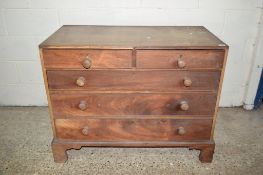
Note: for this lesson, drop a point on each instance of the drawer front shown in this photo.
(79, 58)
(133, 129)
(180, 59)
(104, 104)
(167, 80)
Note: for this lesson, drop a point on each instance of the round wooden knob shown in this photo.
(187, 82)
(85, 131)
(181, 63)
(80, 81)
(86, 63)
(184, 106)
(83, 105)
(181, 130)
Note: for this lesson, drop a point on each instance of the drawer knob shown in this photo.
(181, 130)
(184, 106)
(80, 81)
(83, 105)
(181, 63)
(85, 131)
(187, 82)
(86, 63)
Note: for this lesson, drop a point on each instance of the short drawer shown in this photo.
(85, 104)
(163, 80)
(180, 59)
(133, 129)
(86, 59)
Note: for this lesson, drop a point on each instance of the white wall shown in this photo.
(25, 23)
(256, 69)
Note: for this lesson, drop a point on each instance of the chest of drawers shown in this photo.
(117, 86)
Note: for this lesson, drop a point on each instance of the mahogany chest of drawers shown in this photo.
(117, 86)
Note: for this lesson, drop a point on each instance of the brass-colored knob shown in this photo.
(181, 130)
(80, 81)
(181, 63)
(86, 63)
(184, 106)
(85, 131)
(187, 82)
(83, 105)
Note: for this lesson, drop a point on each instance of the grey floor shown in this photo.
(25, 137)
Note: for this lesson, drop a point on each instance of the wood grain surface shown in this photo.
(105, 37)
(168, 59)
(134, 80)
(133, 129)
(121, 104)
(73, 58)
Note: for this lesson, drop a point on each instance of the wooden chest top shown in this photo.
(128, 37)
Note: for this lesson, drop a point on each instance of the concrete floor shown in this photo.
(25, 136)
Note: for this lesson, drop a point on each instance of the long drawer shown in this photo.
(133, 129)
(121, 104)
(86, 58)
(166, 80)
(180, 59)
